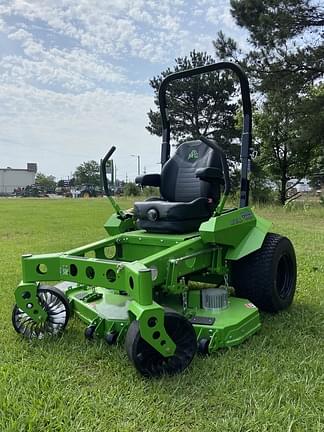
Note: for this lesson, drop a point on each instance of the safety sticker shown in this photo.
(250, 305)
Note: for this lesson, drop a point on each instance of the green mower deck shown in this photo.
(108, 312)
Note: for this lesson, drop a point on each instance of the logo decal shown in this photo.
(64, 270)
(193, 155)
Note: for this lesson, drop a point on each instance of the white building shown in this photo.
(13, 178)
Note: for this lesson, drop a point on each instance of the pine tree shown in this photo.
(284, 64)
(202, 105)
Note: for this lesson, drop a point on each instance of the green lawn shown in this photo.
(272, 382)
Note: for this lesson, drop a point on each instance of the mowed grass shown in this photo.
(272, 382)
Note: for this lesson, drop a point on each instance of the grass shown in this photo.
(272, 382)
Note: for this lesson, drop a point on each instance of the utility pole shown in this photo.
(138, 163)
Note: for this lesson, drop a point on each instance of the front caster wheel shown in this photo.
(111, 338)
(58, 312)
(150, 362)
(89, 332)
(203, 346)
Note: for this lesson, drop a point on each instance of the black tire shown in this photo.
(148, 361)
(111, 338)
(89, 332)
(203, 347)
(57, 307)
(267, 277)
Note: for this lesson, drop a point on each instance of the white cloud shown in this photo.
(62, 130)
(20, 35)
(3, 26)
(147, 29)
(72, 70)
(61, 60)
(220, 14)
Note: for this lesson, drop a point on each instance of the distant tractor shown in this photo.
(89, 191)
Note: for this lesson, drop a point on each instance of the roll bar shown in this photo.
(246, 139)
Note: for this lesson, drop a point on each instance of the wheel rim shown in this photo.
(285, 277)
(57, 317)
(151, 363)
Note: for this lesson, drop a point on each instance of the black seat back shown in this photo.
(178, 179)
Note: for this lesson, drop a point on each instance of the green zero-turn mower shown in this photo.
(163, 282)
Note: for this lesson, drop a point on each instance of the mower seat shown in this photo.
(190, 190)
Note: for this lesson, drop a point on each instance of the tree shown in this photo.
(202, 105)
(48, 183)
(287, 151)
(87, 173)
(284, 63)
(287, 39)
(273, 21)
(290, 131)
(312, 129)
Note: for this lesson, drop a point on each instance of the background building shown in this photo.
(13, 178)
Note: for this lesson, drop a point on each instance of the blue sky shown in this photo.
(74, 75)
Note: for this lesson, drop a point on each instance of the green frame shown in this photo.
(122, 275)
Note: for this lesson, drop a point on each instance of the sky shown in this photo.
(74, 76)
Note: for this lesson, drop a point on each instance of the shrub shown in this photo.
(131, 189)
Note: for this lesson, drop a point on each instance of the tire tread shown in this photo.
(253, 278)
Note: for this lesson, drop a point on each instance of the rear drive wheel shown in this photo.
(150, 362)
(267, 277)
(58, 312)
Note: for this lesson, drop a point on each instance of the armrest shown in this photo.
(149, 180)
(209, 174)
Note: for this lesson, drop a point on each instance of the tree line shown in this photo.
(87, 173)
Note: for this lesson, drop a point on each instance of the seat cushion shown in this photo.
(172, 217)
(186, 199)
(179, 182)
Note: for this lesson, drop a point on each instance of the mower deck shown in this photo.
(108, 312)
